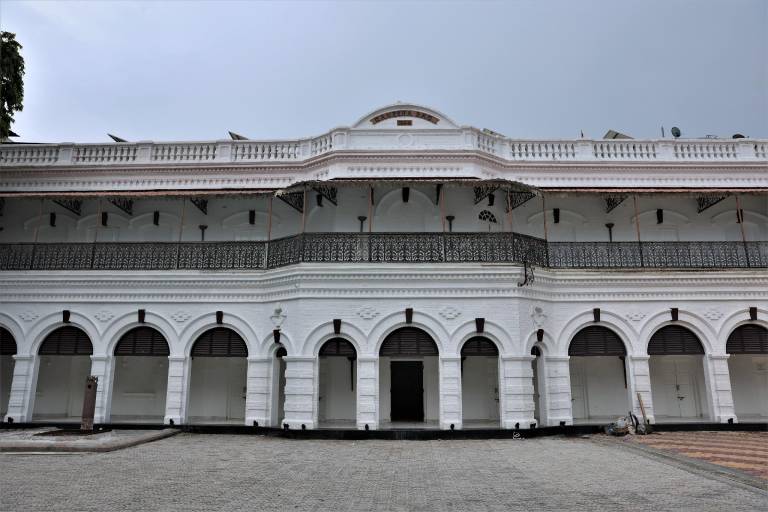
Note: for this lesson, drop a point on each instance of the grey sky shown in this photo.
(193, 70)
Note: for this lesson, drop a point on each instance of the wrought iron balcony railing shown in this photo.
(511, 248)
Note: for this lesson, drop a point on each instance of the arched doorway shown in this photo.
(278, 385)
(409, 390)
(7, 351)
(337, 368)
(480, 383)
(218, 382)
(597, 364)
(538, 377)
(141, 376)
(65, 363)
(676, 367)
(748, 367)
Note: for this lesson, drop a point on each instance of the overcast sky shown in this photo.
(193, 70)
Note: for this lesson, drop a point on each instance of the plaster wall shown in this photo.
(139, 388)
(678, 376)
(217, 389)
(336, 394)
(597, 387)
(749, 382)
(6, 377)
(61, 386)
(480, 388)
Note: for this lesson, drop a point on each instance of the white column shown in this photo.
(178, 389)
(558, 390)
(299, 392)
(516, 392)
(22, 400)
(102, 367)
(718, 380)
(258, 391)
(367, 392)
(640, 382)
(450, 392)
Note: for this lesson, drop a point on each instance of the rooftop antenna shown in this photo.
(237, 136)
(116, 138)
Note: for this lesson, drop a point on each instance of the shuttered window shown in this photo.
(408, 341)
(596, 340)
(338, 347)
(142, 341)
(674, 340)
(220, 342)
(7, 343)
(66, 341)
(479, 346)
(748, 339)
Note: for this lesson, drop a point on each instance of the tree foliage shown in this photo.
(11, 81)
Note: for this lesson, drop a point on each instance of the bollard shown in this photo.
(89, 403)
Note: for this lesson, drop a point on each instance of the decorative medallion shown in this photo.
(449, 312)
(538, 316)
(104, 315)
(713, 314)
(278, 317)
(367, 313)
(636, 316)
(28, 315)
(181, 316)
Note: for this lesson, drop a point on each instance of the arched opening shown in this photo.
(218, 381)
(65, 363)
(409, 388)
(141, 376)
(480, 383)
(7, 351)
(599, 390)
(337, 363)
(538, 377)
(748, 367)
(676, 367)
(278, 385)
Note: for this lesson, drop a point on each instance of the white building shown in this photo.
(404, 271)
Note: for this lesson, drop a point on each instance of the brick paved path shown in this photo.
(743, 451)
(219, 472)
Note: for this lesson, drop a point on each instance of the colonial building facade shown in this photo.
(402, 272)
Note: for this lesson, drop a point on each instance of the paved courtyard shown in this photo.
(228, 472)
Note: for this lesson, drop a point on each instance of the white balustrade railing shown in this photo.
(579, 150)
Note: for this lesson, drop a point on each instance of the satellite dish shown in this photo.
(675, 131)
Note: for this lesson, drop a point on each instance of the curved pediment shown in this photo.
(405, 115)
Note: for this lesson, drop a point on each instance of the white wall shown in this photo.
(140, 387)
(337, 398)
(6, 376)
(674, 376)
(749, 384)
(61, 386)
(431, 387)
(480, 388)
(217, 389)
(597, 387)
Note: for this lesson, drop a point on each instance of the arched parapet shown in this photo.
(737, 319)
(324, 332)
(610, 321)
(53, 321)
(698, 326)
(129, 321)
(395, 321)
(192, 332)
(491, 330)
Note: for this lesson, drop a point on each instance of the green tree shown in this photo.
(11, 81)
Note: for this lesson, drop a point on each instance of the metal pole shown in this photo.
(370, 208)
(544, 213)
(442, 206)
(181, 221)
(304, 211)
(509, 210)
(98, 221)
(39, 219)
(740, 218)
(269, 219)
(637, 230)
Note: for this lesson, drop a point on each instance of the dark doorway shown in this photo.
(407, 391)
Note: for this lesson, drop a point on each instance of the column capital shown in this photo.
(259, 359)
(177, 358)
(368, 359)
(557, 358)
(24, 357)
(518, 358)
(639, 358)
(299, 359)
(718, 356)
(100, 357)
(451, 358)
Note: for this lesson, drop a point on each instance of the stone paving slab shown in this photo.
(742, 451)
(194, 472)
(27, 440)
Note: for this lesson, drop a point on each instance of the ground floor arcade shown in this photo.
(407, 383)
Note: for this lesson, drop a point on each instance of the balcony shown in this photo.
(509, 248)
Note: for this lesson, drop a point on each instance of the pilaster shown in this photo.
(367, 392)
(178, 390)
(719, 388)
(258, 390)
(517, 408)
(22, 399)
(558, 390)
(300, 392)
(450, 393)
